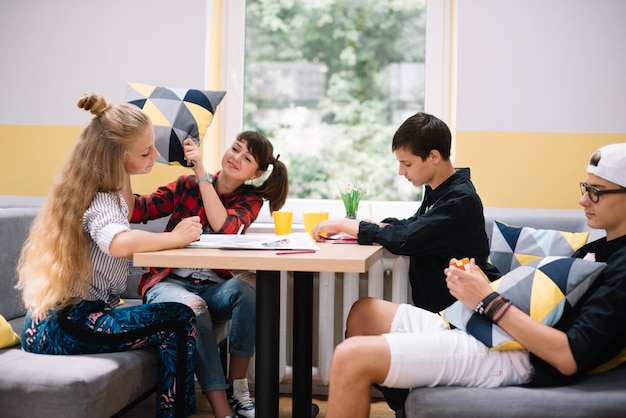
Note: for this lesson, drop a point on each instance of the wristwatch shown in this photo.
(208, 177)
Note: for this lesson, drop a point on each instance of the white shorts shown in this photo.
(425, 352)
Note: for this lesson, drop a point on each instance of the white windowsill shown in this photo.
(379, 209)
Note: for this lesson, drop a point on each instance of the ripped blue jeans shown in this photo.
(233, 300)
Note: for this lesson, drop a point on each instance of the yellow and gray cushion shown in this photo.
(513, 246)
(176, 115)
(544, 289)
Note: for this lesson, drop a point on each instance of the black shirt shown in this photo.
(450, 223)
(596, 326)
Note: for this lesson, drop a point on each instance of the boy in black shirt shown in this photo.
(449, 223)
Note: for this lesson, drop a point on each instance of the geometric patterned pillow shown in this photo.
(513, 246)
(176, 115)
(544, 289)
(8, 337)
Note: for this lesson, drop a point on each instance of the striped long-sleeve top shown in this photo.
(106, 217)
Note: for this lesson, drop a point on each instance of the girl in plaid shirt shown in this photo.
(225, 202)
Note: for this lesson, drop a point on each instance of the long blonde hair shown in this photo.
(55, 267)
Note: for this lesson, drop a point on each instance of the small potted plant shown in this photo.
(351, 195)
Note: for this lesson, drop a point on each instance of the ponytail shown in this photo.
(276, 188)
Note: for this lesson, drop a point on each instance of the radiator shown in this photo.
(334, 295)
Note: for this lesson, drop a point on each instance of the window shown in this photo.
(329, 82)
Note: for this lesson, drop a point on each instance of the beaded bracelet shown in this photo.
(501, 313)
(480, 306)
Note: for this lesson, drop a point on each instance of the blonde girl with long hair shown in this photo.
(74, 264)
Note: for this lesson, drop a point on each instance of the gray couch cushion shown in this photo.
(14, 226)
(571, 220)
(601, 395)
(94, 385)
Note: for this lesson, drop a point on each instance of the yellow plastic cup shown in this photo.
(282, 222)
(313, 218)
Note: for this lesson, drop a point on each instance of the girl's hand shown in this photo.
(192, 155)
(188, 230)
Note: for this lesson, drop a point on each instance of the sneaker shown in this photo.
(239, 399)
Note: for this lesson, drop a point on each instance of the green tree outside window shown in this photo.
(329, 82)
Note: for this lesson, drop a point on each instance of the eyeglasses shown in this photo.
(595, 193)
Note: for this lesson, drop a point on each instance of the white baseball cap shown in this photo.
(609, 162)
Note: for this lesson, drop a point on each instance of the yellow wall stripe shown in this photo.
(33, 154)
(528, 169)
(509, 169)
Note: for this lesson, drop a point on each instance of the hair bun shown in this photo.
(95, 103)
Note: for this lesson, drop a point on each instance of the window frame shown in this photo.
(439, 90)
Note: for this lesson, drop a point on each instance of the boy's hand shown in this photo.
(467, 282)
(324, 229)
(463, 264)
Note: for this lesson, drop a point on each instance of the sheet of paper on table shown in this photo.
(293, 241)
(342, 238)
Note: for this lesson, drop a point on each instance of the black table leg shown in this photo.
(302, 344)
(266, 384)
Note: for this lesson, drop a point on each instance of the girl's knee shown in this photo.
(248, 278)
(197, 304)
(245, 292)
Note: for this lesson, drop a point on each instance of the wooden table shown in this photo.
(330, 258)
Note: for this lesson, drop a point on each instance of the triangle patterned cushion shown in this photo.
(176, 115)
(513, 246)
(544, 289)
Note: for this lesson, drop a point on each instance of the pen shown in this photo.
(295, 252)
(239, 232)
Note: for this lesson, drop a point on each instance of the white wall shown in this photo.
(54, 51)
(541, 65)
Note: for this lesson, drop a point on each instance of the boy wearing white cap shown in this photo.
(411, 347)
(606, 175)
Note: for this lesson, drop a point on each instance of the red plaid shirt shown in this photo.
(182, 199)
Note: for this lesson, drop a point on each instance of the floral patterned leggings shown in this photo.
(87, 328)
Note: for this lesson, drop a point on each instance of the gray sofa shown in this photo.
(96, 385)
(602, 395)
(36, 385)
(102, 385)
